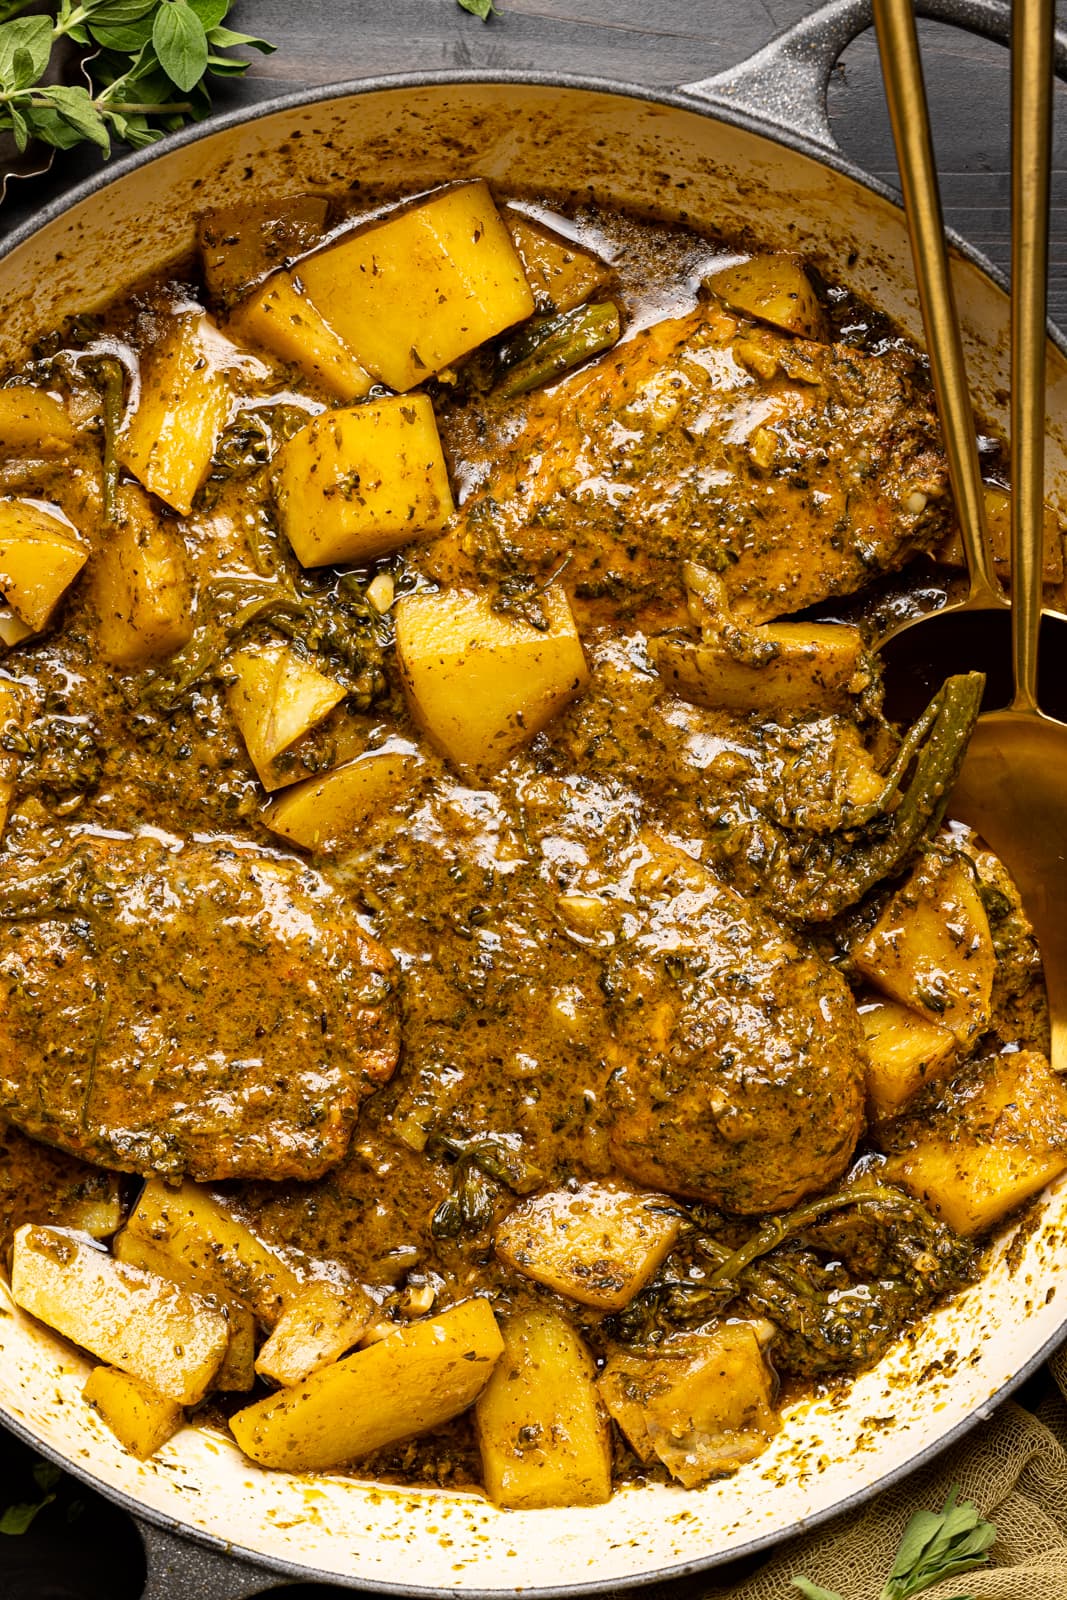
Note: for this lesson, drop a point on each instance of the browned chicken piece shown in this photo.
(797, 470)
(203, 1008)
(737, 1064)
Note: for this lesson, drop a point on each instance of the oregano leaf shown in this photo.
(226, 39)
(75, 106)
(479, 8)
(210, 12)
(180, 42)
(30, 37)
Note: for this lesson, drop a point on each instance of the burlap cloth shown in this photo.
(1014, 1468)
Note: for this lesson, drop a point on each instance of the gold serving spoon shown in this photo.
(1013, 785)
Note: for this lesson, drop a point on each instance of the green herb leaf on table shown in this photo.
(935, 1545)
(148, 63)
(479, 8)
(16, 1519)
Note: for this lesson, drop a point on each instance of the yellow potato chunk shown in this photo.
(773, 289)
(542, 1432)
(195, 1230)
(355, 485)
(904, 1052)
(40, 556)
(98, 1211)
(482, 683)
(183, 404)
(33, 423)
(320, 1322)
(701, 1403)
(237, 1371)
(415, 292)
(275, 698)
(279, 317)
(141, 1418)
(142, 1324)
(931, 948)
(1001, 1140)
(814, 666)
(412, 1380)
(328, 812)
(13, 630)
(561, 274)
(998, 523)
(142, 585)
(598, 1245)
(241, 245)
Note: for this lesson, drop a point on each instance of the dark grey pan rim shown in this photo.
(683, 100)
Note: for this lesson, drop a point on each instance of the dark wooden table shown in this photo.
(80, 1548)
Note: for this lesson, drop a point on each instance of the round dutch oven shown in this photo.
(750, 154)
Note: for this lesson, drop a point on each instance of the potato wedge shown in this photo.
(429, 283)
(275, 698)
(701, 1402)
(998, 523)
(542, 1432)
(278, 317)
(142, 584)
(241, 245)
(141, 1418)
(147, 1327)
(184, 400)
(816, 666)
(41, 554)
(195, 1229)
(357, 484)
(931, 948)
(904, 1053)
(483, 683)
(33, 423)
(773, 289)
(13, 630)
(560, 273)
(598, 1244)
(1000, 1140)
(328, 812)
(320, 1323)
(412, 1380)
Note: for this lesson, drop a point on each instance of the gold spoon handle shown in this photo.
(1033, 23)
(905, 92)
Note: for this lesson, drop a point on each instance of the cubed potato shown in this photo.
(931, 948)
(816, 666)
(142, 584)
(905, 1051)
(41, 554)
(276, 697)
(193, 1227)
(482, 683)
(141, 1418)
(598, 1244)
(97, 1211)
(412, 1380)
(327, 813)
(182, 407)
(997, 1143)
(542, 1431)
(279, 317)
(773, 289)
(320, 1323)
(241, 245)
(144, 1325)
(13, 630)
(700, 1402)
(33, 423)
(413, 293)
(355, 485)
(561, 274)
(237, 1371)
(998, 522)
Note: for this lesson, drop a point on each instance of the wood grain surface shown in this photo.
(91, 1553)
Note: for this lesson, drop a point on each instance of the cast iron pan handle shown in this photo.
(785, 83)
(178, 1569)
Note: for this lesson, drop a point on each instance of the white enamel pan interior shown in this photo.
(672, 155)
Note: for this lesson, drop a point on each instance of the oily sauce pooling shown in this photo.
(434, 814)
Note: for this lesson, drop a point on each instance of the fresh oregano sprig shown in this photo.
(936, 1545)
(147, 61)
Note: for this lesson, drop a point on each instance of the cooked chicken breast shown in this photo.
(200, 1008)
